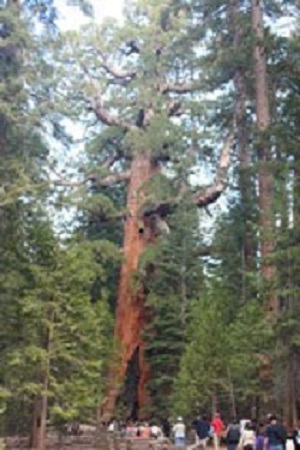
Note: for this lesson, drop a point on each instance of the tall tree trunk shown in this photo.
(290, 409)
(42, 435)
(40, 408)
(245, 181)
(291, 369)
(39, 418)
(36, 420)
(131, 316)
(265, 179)
(231, 394)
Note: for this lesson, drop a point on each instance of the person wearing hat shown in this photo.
(179, 433)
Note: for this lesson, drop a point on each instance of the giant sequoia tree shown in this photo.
(141, 84)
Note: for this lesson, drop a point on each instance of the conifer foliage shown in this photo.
(175, 287)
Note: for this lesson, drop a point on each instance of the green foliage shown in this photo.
(207, 337)
(174, 275)
(62, 331)
(221, 355)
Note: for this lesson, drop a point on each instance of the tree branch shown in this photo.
(112, 179)
(110, 161)
(95, 179)
(103, 115)
(118, 73)
(204, 197)
(114, 71)
(213, 192)
(178, 88)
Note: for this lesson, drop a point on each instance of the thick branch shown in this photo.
(112, 179)
(184, 88)
(203, 197)
(213, 192)
(110, 161)
(107, 119)
(114, 71)
(102, 114)
(118, 73)
(109, 180)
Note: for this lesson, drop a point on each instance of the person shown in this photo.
(166, 428)
(202, 427)
(275, 435)
(179, 433)
(131, 430)
(112, 426)
(243, 423)
(145, 431)
(290, 443)
(248, 438)
(260, 437)
(218, 426)
(296, 437)
(155, 430)
(232, 435)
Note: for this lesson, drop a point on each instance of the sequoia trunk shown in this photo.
(265, 179)
(131, 315)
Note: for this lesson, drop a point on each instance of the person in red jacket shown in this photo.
(218, 426)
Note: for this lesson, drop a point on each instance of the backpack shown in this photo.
(233, 434)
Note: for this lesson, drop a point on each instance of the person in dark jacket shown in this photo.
(202, 427)
(232, 435)
(275, 435)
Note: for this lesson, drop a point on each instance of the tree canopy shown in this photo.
(148, 267)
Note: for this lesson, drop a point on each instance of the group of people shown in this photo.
(142, 429)
(269, 434)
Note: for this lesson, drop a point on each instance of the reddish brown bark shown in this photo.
(265, 179)
(130, 314)
(245, 182)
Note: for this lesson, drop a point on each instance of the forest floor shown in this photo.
(90, 442)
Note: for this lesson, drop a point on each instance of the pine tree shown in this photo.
(173, 277)
(56, 367)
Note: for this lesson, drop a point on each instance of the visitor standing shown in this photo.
(275, 435)
(296, 436)
(260, 437)
(233, 435)
(290, 443)
(202, 427)
(179, 433)
(166, 428)
(218, 426)
(248, 438)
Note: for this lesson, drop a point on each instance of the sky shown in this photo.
(72, 18)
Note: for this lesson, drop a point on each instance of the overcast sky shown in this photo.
(72, 18)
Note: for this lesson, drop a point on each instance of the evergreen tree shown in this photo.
(174, 276)
(55, 367)
(139, 90)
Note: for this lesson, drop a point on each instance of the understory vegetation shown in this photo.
(149, 212)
